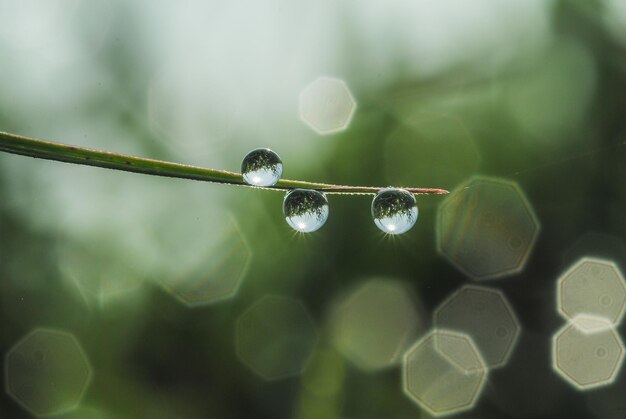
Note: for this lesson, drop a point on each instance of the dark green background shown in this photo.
(153, 357)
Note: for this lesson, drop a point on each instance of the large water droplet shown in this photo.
(306, 210)
(394, 210)
(261, 167)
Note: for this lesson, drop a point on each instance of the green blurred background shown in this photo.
(528, 91)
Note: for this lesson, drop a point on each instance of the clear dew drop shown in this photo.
(306, 210)
(261, 167)
(394, 210)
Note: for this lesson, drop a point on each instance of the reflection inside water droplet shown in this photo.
(261, 167)
(306, 210)
(394, 210)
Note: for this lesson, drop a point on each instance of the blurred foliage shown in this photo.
(549, 117)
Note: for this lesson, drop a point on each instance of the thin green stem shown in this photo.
(17, 144)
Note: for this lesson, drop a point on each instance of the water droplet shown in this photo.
(261, 167)
(306, 210)
(394, 210)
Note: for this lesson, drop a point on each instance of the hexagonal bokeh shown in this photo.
(373, 325)
(587, 357)
(430, 146)
(215, 273)
(484, 314)
(444, 373)
(47, 372)
(85, 265)
(326, 105)
(275, 337)
(594, 287)
(487, 228)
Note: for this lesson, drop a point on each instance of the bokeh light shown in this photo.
(487, 228)
(484, 314)
(444, 373)
(587, 352)
(420, 93)
(326, 105)
(47, 372)
(86, 265)
(373, 325)
(275, 337)
(594, 287)
(208, 273)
